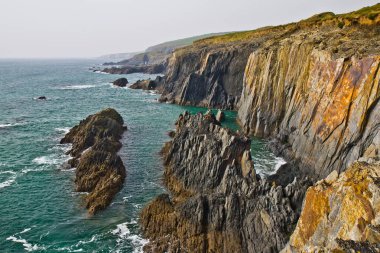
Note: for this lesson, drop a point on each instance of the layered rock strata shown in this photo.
(341, 213)
(319, 98)
(99, 169)
(217, 203)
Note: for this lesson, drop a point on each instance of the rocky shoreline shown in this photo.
(99, 169)
(217, 203)
(310, 87)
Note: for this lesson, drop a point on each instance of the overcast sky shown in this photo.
(89, 28)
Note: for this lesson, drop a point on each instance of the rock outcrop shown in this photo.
(148, 84)
(341, 213)
(99, 169)
(217, 203)
(130, 69)
(121, 82)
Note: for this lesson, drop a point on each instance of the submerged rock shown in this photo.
(341, 213)
(216, 202)
(42, 98)
(121, 82)
(100, 171)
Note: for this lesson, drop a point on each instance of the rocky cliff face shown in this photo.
(217, 203)
(341, 213)
(99, 170)
(318, 93)
(210, 73)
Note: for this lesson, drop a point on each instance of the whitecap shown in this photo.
(8, 125)
(25, 230)
(64, 130)
(27, 246)
(100, 72)
(25, 171)
(77, 87)
(10, 180)
(279, 162)
(124, 233)
(49, 160)
(93, 239)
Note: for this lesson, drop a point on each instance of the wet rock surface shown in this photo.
(217, 203)
(341, 213)
(99, 169)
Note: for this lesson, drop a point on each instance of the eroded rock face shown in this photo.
(323, 105)
(99, 170)
(217, 202)
(341, 213)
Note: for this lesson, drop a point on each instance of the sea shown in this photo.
(39, 209)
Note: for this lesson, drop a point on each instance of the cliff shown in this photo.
(99, 170)
(341, 213)
(217, 203)
(313, 86)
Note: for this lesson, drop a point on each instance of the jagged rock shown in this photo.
(99, 170)
(121, 82)
(341, 213)
(220, 116)
(216, 202)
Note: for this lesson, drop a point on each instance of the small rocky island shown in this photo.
(99, 169)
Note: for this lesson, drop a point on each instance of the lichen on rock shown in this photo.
(341, 214)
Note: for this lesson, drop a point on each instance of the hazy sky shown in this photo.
(88, 28)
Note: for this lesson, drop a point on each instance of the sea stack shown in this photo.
(99, 169)
(216, 203)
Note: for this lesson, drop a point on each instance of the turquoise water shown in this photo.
(40, 212)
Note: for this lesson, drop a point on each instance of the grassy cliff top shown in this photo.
(365, 16)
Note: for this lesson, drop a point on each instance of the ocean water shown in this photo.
(40, 212)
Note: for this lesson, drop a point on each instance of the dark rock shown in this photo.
(148, 69)
(42, 98)
(216, 202)
(121, 82)
(100, 171)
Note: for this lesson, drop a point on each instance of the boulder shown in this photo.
(42, 98)
(121, 82)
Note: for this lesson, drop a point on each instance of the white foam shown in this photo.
(50, 160)
(25, 230)
(10, 180)
(78, 87)
(124, 233)
(64, 130)
(27, 246)
(10, 125)
(279, 162)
